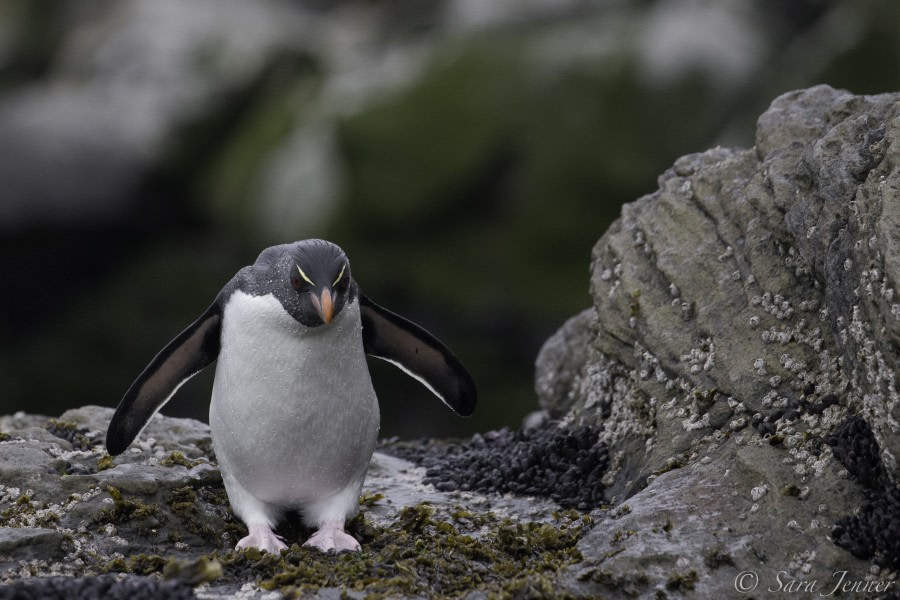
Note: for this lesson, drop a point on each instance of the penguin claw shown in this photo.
(263, 539)
(332, 539)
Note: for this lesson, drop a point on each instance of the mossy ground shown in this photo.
(418, 553)
(70, 432)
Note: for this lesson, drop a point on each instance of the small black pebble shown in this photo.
(766, 428)
(874, 532)
(566, 465)
(829, 400)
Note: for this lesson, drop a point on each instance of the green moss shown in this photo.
(716, 558)
(116, 565)
(4, 436)
(366, 499)
(177, 458)
(184, 501)
(682, 582)
(106, 462)
(671, 465)
(138, 564)
(59, 425)
(184, 504)
(420, 554)
(26, 506)
(18, 508)
(621, 535)
(146, 564)
(465, 518)
(202, 570)
(71, 432)
(126, 509)
(790, 490)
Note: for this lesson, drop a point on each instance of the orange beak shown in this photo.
(324, 305)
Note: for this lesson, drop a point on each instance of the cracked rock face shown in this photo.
(748, 306)
(752, 294)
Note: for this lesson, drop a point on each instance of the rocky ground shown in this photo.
(723, 419)
(158, 517)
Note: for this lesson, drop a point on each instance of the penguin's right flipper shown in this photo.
(185, 356)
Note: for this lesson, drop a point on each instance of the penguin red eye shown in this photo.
(295, 281)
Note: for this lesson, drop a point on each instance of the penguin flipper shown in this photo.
(390, 337)
(185, 356)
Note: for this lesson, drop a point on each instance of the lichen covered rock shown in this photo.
(755, 289)
(749, 305)
(158, 516)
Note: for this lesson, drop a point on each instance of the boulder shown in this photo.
(743, 314)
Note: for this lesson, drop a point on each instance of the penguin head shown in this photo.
(318, 279)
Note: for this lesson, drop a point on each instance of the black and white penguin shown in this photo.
(294, 417)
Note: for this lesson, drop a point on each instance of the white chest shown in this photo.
(293, 411)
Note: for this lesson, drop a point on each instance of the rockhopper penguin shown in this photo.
(294, 417)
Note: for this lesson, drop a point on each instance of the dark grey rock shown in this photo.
(560, 360)
(29, 542)
(743, 312)
(696, 528)
(731, 295)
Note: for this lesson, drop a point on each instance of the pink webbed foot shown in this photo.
(262, 538)
(331, 537)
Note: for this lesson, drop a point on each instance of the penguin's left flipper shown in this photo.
(390, 337)
(185, 356)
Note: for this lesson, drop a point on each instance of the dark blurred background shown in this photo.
(466, 154)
